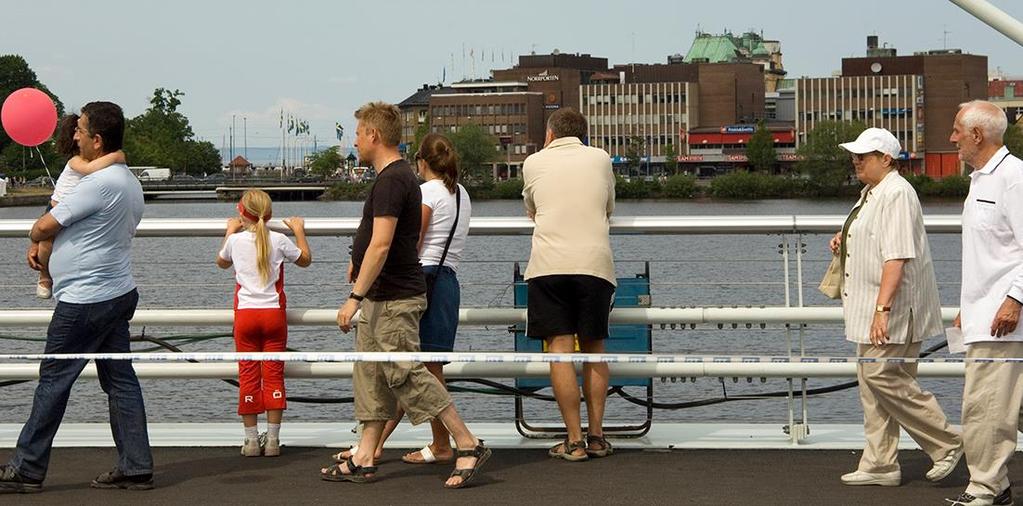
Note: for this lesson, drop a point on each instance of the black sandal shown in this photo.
(481, 452)
(356, 473)
(568, 451)
(604, 450)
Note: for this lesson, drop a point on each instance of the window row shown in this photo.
(479, 110)
(640, 98)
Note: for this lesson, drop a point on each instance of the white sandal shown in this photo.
(352, 450)
(428, 457)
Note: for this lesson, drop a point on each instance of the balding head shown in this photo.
(978, 131)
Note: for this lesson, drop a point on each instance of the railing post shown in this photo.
(791, 397)
(800, 250)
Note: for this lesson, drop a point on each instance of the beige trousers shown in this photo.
(393, 326)
(892, 398)
(991, 405)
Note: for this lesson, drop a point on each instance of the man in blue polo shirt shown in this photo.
(96, 297)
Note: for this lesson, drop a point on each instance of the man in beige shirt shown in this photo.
(569, 194)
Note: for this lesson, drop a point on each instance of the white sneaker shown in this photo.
(251, 448)
(43, 292)
(272, 446)
(965, 499)
(892, 479)
(945, 466)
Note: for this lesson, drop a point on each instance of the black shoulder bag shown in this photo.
(431, 278)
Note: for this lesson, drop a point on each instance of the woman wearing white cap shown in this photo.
(890, 303)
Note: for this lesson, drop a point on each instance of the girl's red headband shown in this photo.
(249, 216)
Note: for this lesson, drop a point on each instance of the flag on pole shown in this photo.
(281, 124)
(339, 130)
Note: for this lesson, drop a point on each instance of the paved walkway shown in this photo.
(520, 477)
(714, 464)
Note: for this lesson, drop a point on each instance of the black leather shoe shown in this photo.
(12, 481)
(115, 479)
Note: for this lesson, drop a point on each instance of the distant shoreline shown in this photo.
(41, 200)
(24, 199)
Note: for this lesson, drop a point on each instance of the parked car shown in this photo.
(39, 181)
(184, 178)
(155, 175)
(216, 177)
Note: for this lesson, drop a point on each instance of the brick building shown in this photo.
(915, 96)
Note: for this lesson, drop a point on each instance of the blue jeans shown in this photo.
(101, 327)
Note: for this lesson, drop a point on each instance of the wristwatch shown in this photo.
(882, 309)
(356, 296)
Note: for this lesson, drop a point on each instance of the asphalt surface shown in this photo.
(522, 477)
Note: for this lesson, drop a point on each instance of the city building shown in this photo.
(507, 110)
(1007, 93)
(651, 109)
(415, 111)
(513, 105)
(916, 97)
(750, 47)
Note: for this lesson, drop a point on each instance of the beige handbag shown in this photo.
(831, 285)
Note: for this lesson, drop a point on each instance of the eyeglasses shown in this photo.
(859, 157)
(81, 131)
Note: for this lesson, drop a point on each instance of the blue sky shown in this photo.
(321, 60)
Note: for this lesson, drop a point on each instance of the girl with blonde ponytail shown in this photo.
(260, 321)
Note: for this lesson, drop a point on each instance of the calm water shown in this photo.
(685, 271)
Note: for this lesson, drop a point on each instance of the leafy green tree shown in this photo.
(15, 159)
(680, 186)
(760, 150)
(420, 132)
(325, 163)
(828, 166)
(670, 160)
(1013, 139)
(635, 150)
(476, 151)
(162, 136)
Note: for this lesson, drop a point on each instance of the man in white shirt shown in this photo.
(992, 289)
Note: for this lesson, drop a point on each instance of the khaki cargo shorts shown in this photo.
(393, 326)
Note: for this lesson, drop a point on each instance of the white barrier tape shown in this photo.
(498, 357)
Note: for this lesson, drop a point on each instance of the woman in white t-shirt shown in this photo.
(75, 169)
(260, 321)
(437, 164)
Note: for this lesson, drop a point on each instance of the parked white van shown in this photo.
(155, 175)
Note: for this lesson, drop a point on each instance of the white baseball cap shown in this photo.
(874, 139)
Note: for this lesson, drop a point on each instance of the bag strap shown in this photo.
(451, 235)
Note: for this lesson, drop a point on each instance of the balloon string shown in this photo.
(45, 167)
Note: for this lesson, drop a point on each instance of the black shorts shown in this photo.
(566, 304)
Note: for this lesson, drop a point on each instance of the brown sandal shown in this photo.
(603, 447)
(481, 452)
(566, 450)
(356, 473)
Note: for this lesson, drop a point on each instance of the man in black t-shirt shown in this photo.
(389, 285)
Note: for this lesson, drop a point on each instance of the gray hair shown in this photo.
(985, 116)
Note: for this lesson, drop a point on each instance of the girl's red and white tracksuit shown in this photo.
(260, 321)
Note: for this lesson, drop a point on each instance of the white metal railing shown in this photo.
(487, 316)
(793, 315)
(659, 225)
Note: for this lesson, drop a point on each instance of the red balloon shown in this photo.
(29, 117)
